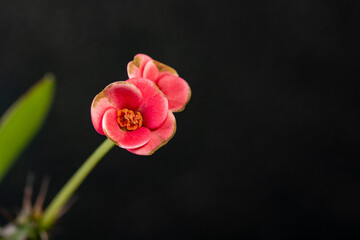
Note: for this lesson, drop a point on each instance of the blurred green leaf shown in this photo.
(23, 120)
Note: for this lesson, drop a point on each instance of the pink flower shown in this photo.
(175, 88)
(134, 114)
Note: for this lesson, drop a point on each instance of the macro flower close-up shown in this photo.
(134, 114)
(166, 78)
(170, 120)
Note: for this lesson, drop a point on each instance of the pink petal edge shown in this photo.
(99, 106)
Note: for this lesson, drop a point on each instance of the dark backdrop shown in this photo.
(266, 148)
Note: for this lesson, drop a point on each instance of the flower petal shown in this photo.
(159, 137)
(99, 106)
(123, 94)
(176, 90)
(154, 105)
(151, 71)
(122, 138)
(135, 68)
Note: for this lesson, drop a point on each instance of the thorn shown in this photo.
(26, 206)
(38, 206)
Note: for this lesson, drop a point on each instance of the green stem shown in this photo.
(66, 192)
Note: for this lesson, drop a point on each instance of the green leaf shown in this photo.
(23, 120)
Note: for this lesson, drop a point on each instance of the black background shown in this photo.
(266, 148)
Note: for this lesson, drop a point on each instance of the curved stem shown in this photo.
(69, 188)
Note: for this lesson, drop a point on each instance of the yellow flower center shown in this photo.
(129, 120)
